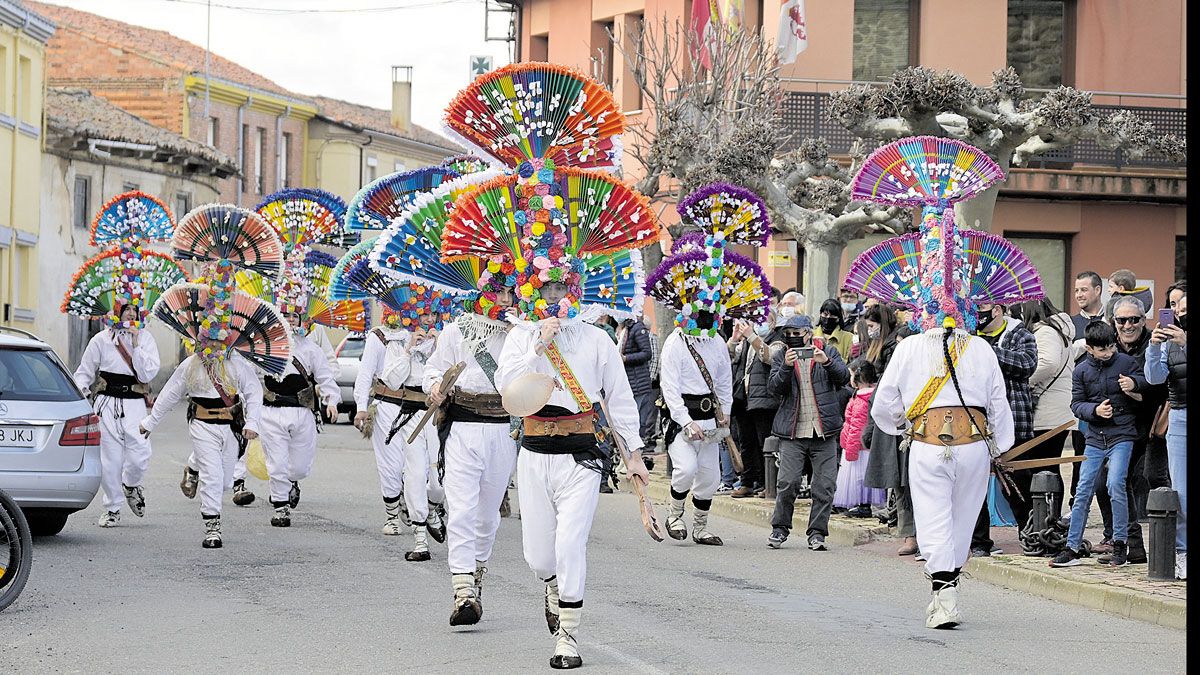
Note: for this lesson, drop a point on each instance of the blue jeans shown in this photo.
(1177, 462)
(728, 475)
(1118, 466)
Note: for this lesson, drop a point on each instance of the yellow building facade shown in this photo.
(23, 37)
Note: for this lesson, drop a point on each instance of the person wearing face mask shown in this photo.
(1166, 361)
(791, 304)
(852, 308)
(829, 328)
(124, 359)
(877, 335)
(753, 406)
(1099, 399)
(289, 431)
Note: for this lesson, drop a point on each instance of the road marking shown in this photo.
(631, 661)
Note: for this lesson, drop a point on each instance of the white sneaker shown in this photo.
(109, 519)
(1181, 566)
(393, 526)
(943, 609)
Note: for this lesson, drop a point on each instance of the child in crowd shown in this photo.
(851, 494)
(1103, 390)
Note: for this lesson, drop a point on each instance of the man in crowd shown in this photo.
(1016, 351)
(852, 307)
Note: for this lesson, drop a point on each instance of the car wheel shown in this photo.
(46, 522)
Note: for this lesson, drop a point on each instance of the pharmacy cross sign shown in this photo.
(480, 65)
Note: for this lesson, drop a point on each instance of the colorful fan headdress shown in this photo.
(300, 218)
(124, 273)
(311, 281)
(384, 199)
(409, 302)
(552, 221)
(700, 275)
(215, 316)
(941, 272)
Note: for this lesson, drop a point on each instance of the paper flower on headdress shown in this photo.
(941, 272)
(300, 218)
(414, 300)
(217, 319)
(384, 199)
(465, 165)
(124, 274)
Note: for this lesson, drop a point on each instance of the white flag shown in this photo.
(793, 30)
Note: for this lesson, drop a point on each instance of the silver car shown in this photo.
(349, 354)
(49, 436)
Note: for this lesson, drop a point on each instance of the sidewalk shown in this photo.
(1123, 591)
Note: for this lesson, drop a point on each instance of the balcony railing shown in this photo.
(804, 115)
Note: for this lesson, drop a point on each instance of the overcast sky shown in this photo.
(346, 55)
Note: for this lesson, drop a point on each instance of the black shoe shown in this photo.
(861, 511)
(294, 494)
(816, 542)
(282, 517)
(466, 613)
(565, 662)
(605, 488)
(649, 462)
(1066, 558)
(421, 556)
(981, 553)
(1119, 556)
(242, 496)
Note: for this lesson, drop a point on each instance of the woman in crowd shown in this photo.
(850, 493)
(1166, 361)
(879, 331)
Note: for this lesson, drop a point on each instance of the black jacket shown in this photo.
(758, 397)
(1153, 395)
(1091, 384)
(636, 355)
(827, 381)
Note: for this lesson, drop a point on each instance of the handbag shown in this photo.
(1159, 428)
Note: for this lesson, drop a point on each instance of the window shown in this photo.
(35, 375)
(80, 199)
(885, 37)
(1049, 254)
(25, 89)
(284, 148)
(399, 166)
(539, 47)
(602, 52)
(183, 204)
(372, 168)
(214, 129)
(260, 139)
(1037, 41)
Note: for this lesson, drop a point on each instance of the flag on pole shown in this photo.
(704, 23)
(733, 12)
(793, 30)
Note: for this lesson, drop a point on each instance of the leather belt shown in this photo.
(214, 414)
(117, 385)
(398, 396)
(484, 405)
(950, 426)
(583, 423)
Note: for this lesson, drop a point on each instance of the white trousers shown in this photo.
(289, 442)
(214, 454)
(946, 498)
(558, 501)
(696, 467)
(421, 484)
(389, 457)
(124, 451)
(239, 467)
(479, 461)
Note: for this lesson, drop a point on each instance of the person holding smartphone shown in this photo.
(1166, 361)
(807, 376)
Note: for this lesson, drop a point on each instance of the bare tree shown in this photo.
(1000, 119)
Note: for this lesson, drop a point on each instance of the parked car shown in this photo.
(349, 353)
(49, 436)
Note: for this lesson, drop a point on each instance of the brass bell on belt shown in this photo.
(947, 433)
(919, 430)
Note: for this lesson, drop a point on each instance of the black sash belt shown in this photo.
(700, 406)
(118, 385)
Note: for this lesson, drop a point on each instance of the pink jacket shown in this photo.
(857, 411)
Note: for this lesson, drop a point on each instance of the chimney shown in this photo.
(402, 98)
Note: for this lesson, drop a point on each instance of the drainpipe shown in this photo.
(362, 159)
(241, 119)
(279, 177)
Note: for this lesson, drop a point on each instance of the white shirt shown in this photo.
(978, 374)
(450, 350)
(374, 357)
(180, 386)
(312, 357)
(101, 354)
(407, 368)
(678, 373)
(321, 338)
(595, 362)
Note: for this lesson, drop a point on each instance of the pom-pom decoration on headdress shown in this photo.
(409, 302)
(941, 271)
(410, 250)
(464, 165)
(300, 218)
(108, 282)
(679, 282)
(234, 322)
(731, 213)
(384, 199)
(547, 221)
(216, 232)
(132, 216)
(531, 110)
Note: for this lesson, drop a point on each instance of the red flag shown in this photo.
(706, 19)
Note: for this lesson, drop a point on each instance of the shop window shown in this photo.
(885, 37)
(1050, 255)
(1040, 41)
(183, 204)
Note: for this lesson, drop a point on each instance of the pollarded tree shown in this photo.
(1000, 119)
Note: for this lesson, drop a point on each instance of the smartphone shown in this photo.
(1166, 317)
(804, 352)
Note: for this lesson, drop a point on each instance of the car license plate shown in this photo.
(17, 437)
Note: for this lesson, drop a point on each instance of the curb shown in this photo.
(1166, 612)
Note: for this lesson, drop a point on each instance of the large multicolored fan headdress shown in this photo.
(124, 274)
(384, 199)
(700, 275)
(313, 279)
(215, 232)
(410, 249)
(235, 321)
(940, 271)
(301, 218)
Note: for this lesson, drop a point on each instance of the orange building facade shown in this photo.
(1082, 208)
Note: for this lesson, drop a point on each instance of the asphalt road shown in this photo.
(332, 593)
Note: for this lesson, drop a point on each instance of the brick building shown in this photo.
(161, 78)
(1079, 208)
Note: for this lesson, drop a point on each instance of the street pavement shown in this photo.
(332, 593)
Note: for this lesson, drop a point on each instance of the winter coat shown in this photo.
(1051, 380)
(1092, 383)
(827, 380)
(636, 353)
(842, 339)
(1173, 372)
(1017, 352)
(857, 412)
(757, 396)
(1153, 395)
